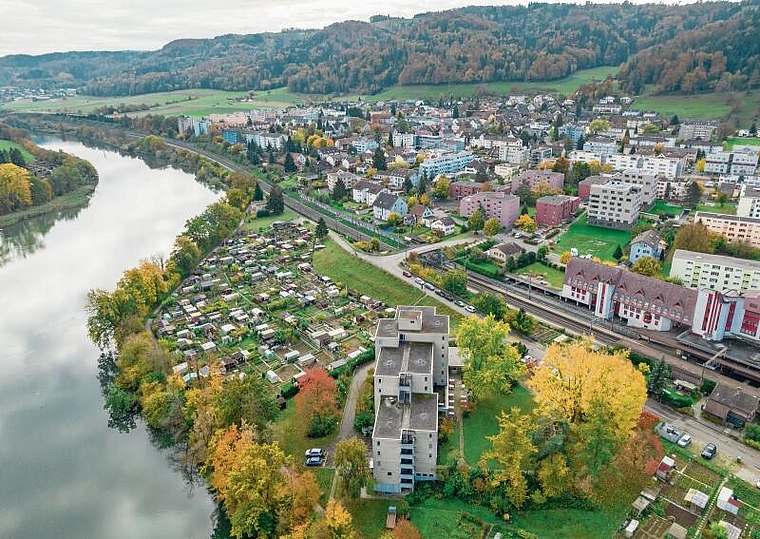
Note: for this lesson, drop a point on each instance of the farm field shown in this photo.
(7, 145)
(594, 240)
(702, 106)
(483, 422)
(553, 276)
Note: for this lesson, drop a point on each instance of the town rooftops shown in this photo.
(595, 180)
(509, 248)
(555, 200)
(705, 258)
(726, 398)
(385, 200)
(725, 217)
(370, 187)
(393, 417)
(430, 322)
(648, 237)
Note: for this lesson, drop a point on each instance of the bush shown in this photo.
(676, 400)
(289, 390)
(263, 212)
(707, 387)
(752, 431)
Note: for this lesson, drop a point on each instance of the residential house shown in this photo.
(388, 203)
(503, 251)
(364, 192)
(731, 404)
(648, 243)
(446, 226)
(419, 214)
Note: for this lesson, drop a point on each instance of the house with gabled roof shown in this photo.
(388, 203)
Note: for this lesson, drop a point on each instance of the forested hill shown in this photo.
(474, 44)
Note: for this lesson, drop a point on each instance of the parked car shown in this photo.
(407, 274)
(429, 286)
(460, 303)
(314, 452)
(419, 281)
(439, 292)
(709, 451)
(447, 296)
(470, 309)
(313, 461)
(684, 440)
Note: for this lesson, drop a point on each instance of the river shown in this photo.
(63, 472)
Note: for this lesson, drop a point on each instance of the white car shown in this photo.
(419, 281)
(684, 440)
(470, 309)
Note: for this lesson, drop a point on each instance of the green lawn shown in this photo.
(441, 518)
(570, 523)
(565, 86)
(713, 207)
(342, 267)
(554, 276)
(7, 145)
(594, 240)
(324, 479)
(482, 421)
(369, 516)
(286, 431)
(662, 206)
(742, 141)
(703, 106)
(255, 223)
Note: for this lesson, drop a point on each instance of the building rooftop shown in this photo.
(389, 418)
(705, 258)
(393, 418)
(431, 322)
(648, 237)
(725, 217)
(423, 413)
(415, 357)
(555, 200)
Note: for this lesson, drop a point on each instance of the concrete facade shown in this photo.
(504, 207)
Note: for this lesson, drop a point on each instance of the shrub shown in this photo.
(707, 387)
(289, 390)
(263, 212)
(752, 431)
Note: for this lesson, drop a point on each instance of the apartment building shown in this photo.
(536, 178)
(647, 182)
(734, 227)
(735, 163)
(749, 203)
(556, 209)
(349, 179)
(602, 145)
(675, 189)
(446, 163)
(614, 204)
(404, 140)
(697, 129)
(411, 362)
(715, 272)
(495, 204)
(584, 186)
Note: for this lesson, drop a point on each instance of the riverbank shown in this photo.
(78, 198)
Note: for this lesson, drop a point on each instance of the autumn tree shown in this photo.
(693, 237)
(394, 219)
(647, 266)
(490, 365)
(15, 188)
(406, 530)
(315, 403)
(565, 257)
(526, 223)
(303, 494)
(598, 125)
(521, 321)
(185, 256)
(337, 523)
(352, 466)
(441, 188)
(476, 221)
(491, 227)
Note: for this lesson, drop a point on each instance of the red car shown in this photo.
(407, 274)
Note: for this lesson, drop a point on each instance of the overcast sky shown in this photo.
(39, 26)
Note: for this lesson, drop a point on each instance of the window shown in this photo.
(378, 443)
(390, 474)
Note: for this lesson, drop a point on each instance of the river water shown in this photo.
(63, 472)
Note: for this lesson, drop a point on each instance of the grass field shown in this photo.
(324, 479)
(662, 206)
(441, 518)
(592, 240)
(553, 276)
(369, 516)
(565, 86)
(7, 145)
(286, 431)
(703, 106)
(341, 266)
(713, 207)
(570, 523)
(742, 141)
(483, 422)
(255, 223)
(190, 102)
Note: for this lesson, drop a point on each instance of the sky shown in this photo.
(40, 26)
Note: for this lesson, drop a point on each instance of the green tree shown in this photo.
(491, 227)
(693, 237)
(290, 165)
(618, 254)
(597, 442)
(521, 321)
(339, 191)
(352, 466)
(394, 219)
(524, 208)
(321, 231)
(441, 189)
(674, 120)
(659, 378)
(722, 198)
(476, 221)
(490, 304)
(598, 125)
(646, 265)
(258, 194)
(455, 281)
(693, 194)
(276, 201)
(185, 256)
(455, 112)
(542, 253)
(490, 365)
(753, 129)
(378, 159)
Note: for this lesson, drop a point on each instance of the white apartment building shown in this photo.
(583, 156)
(749, 203)
(647, 182)
(514, 155)
(404, 140)
(736, 163)
(678, 189)
(446, 163)
(601, 145)
(715, 272)
(614, 204)
(670, 167)
(506, 171)
(735, 228)
(697, 129)
(621, 161)
(349, 179)
(411, 359)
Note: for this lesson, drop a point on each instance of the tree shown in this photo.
(337, 523)
(408, 185)
(618, 254)
(321, 231)
(647, 266)
(441, 189)
(722, 198)
(394, 219)
(693, 194)
(378, 159)
(352, 466)
(659, 378)
(491, 227)
(693, 237)
(490, 304)
(565, 257)
(406, 530)
(258, 194)
(573, 377)
(526, 223)
(275, 201)
(597, 442)
(290, 164)
(542, 253)
(717, 531)
(455, 112)
(561, 165)
(599, 124)
(303, 495)
(490, 366)
(15, 188)
(666, 195)
(524, 208)
(753, 129)
(512, 448)
(525, 194)
(674, 120)
(521, 321)
(476, 221)
(455, 281)
(315, 403)
(185, 256)
(339, 191)
(699, 166)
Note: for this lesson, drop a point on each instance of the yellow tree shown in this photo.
(525, 222)
(565, 257)
(303, 494)
(491, 227)
(646, 265)
(574, 378)
(15, 188)
(337, 523)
